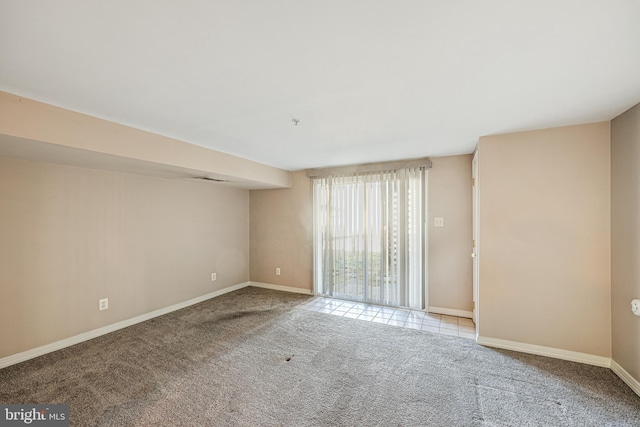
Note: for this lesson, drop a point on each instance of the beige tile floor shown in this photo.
(412, 319)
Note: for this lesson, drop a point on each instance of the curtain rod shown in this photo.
(369, 167)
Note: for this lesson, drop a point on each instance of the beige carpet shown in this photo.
(249, 358)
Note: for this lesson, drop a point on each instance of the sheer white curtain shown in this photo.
(369, 236)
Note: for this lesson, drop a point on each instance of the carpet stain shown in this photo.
(234, 315)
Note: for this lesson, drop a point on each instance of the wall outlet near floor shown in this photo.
(277, 271)
(103, 304)
(438, 222)
(213, 277)
(635, 307)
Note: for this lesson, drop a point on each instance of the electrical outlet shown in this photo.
(213, 277)
(277, 271)
(635, 307)
(438, 222)
(103, 304)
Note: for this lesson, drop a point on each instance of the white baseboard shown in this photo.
(281, 288)
(556, 353)
(67, 342)
(451, 312)
(625, 376)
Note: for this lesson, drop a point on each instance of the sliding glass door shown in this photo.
(369, 237)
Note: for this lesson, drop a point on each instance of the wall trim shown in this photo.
(556, 353)
(625, 376)
(281, 288)
(485, 341)
(85, 336)
(451, 312)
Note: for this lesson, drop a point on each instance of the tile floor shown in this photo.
(412, 319)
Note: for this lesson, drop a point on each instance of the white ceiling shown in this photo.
(368, 80)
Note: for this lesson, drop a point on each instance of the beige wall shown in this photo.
(31, 120)
(450, 246)
(70, 236)
(282, 234)
(625, 239)
(545, 238)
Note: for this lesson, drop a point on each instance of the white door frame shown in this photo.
(476, 236)
(425, 242)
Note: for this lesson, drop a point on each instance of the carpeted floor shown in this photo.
(249, 358)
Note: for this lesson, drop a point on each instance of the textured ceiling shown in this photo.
(367, 80)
